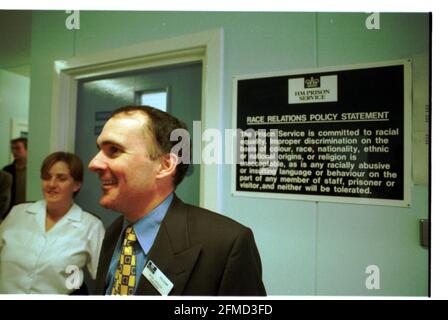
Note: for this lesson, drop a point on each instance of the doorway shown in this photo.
(205, 47)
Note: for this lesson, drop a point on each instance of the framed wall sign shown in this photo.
(340, 134)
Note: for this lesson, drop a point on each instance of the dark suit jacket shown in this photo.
(201, 252)
(11, 168)
(5, 192)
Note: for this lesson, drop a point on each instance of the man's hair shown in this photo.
(160, 124)
(24, 141)
(73, 162)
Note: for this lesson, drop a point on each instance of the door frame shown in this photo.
(205, 47)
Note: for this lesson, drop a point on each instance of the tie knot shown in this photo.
(129, 236)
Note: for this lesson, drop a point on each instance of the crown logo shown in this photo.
(312, 83)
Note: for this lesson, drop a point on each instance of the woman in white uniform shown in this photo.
(45, 245)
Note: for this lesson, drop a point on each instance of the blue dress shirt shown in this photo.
(146, 230)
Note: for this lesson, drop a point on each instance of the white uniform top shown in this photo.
(35, 261)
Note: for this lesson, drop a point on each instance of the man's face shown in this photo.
(127, 174)
(19, 151)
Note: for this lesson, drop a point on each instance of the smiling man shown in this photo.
(162, 245)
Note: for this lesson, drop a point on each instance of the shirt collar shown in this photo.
(146, 227)
(40, 207)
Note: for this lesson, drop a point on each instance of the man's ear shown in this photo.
(168, 163)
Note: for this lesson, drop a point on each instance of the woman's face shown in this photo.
(58, 185)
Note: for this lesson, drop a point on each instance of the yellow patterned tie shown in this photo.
(124, 280)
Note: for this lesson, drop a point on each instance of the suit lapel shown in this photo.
(107, 251)
(171, 252)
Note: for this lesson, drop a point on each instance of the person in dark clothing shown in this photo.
(5, 192)
(18, 171)
(195, 252)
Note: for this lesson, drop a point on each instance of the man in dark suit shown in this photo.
(162, 245)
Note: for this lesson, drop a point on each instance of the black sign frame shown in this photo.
(242, 109)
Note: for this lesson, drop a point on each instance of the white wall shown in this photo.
(14, 103)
